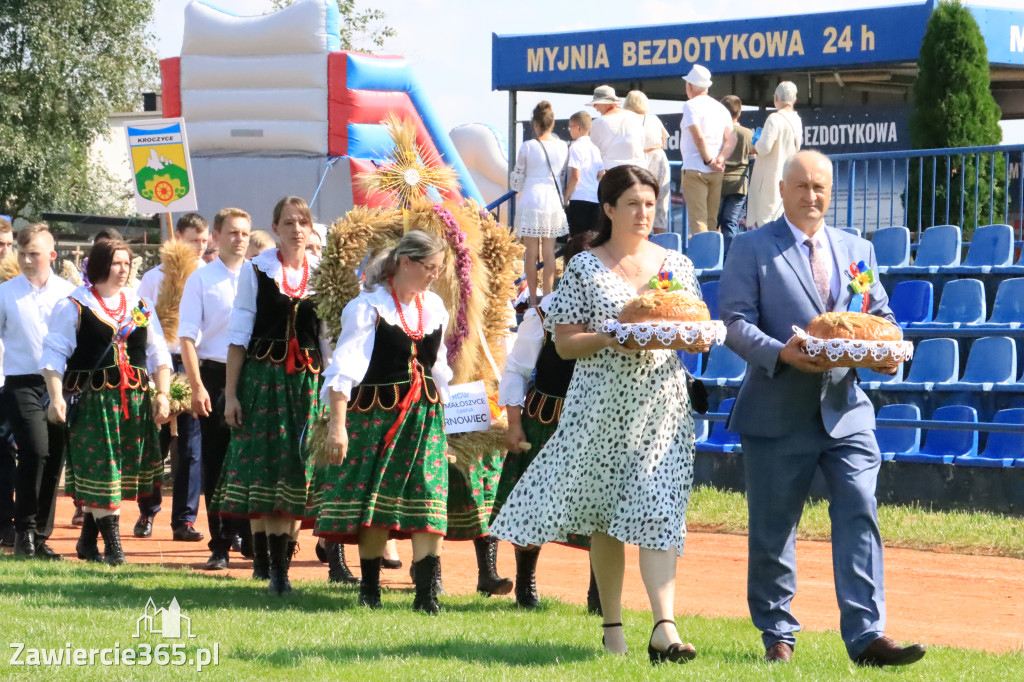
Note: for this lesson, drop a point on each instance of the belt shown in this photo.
(20, 380)
(212, 364)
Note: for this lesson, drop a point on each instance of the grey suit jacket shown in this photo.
(767, 289)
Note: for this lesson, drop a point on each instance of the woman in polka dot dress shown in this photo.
(620, 466)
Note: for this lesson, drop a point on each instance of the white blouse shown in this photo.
(522, 360)
(358, 329)
(62, 336)
(243, 314)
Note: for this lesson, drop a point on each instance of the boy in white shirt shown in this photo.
(585, 171)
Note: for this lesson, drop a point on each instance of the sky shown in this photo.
(448, 42)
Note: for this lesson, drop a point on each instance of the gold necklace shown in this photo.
(618, 265)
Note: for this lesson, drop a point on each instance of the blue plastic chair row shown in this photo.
(962, 305)
(991, 366)
(720, 439)
(945, 446)
(939, 250)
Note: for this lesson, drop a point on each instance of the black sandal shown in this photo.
(677, 652)
(609, 625)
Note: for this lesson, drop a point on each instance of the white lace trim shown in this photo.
(857, 350)
(678, 336)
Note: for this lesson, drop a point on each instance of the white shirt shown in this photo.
(522, 359)
(149, 289)
(359, 328)
(24, 314)
(584, 155)
(205, 309)
(714, 120)
(824, 247)
(243, 313)
(62, 337)
(619, 135)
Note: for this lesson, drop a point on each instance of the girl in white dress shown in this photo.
(540, 210)
(620, 466)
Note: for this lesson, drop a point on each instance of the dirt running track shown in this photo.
(947, 599)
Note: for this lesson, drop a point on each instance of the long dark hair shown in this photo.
(613, 185)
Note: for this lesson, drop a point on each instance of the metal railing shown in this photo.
(965, 186)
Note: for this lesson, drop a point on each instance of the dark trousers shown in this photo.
(8, 467)
(582, 216)
(188, 474)
(40, 454)
(216, 438)
(729, 213)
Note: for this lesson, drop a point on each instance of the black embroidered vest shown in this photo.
(388, 376)
(553, 373)
(94, 349)
(279, 318)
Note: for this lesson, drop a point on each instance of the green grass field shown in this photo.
(321, 634)
(911, 526)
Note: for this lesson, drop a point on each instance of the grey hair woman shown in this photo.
(415, 245)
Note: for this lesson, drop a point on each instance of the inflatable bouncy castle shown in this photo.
(272, 106)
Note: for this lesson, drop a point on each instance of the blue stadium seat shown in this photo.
(700, 429)
(709, 291)
(1008, 308)
(892, 247)
(1017, 387)
(851, 230)
(993, 361)
(720, 439)
(962, 303)
(943, 446)
(691, 361)
(668, 240)
(991, 246)
(936, 361)
(707, 251)
(724, 368)
(939, 248)
(912, 300)
(1015, 269)
(898, 440)
(1002, 448)
(871, 380)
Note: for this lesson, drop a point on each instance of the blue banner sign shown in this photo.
(852, 38)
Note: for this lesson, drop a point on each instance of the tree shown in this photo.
(954, 107)
(65, 66)
(357, 27)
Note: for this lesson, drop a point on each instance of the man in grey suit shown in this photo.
(795, 416)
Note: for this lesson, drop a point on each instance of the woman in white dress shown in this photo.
(655, 137)
(780, 139)
(540, 212)
(620, 466)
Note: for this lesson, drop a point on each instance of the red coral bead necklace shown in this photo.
(118, 313)
(299, 291)
(416, 334)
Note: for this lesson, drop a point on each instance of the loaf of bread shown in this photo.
(665, 306)
(850, 325)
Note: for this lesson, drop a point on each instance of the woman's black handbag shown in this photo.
(698, 393)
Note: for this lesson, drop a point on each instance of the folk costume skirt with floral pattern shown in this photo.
(112, 458)
(471, 497)
(401, 487)
(266, 471)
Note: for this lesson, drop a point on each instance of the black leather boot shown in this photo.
(425, 576)
(338, 571)
(280, 559)
(110, 529)
(260, 557)
(86, 546)
(369, 585)
(526, 578)
(593, 596)
(488, 582)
